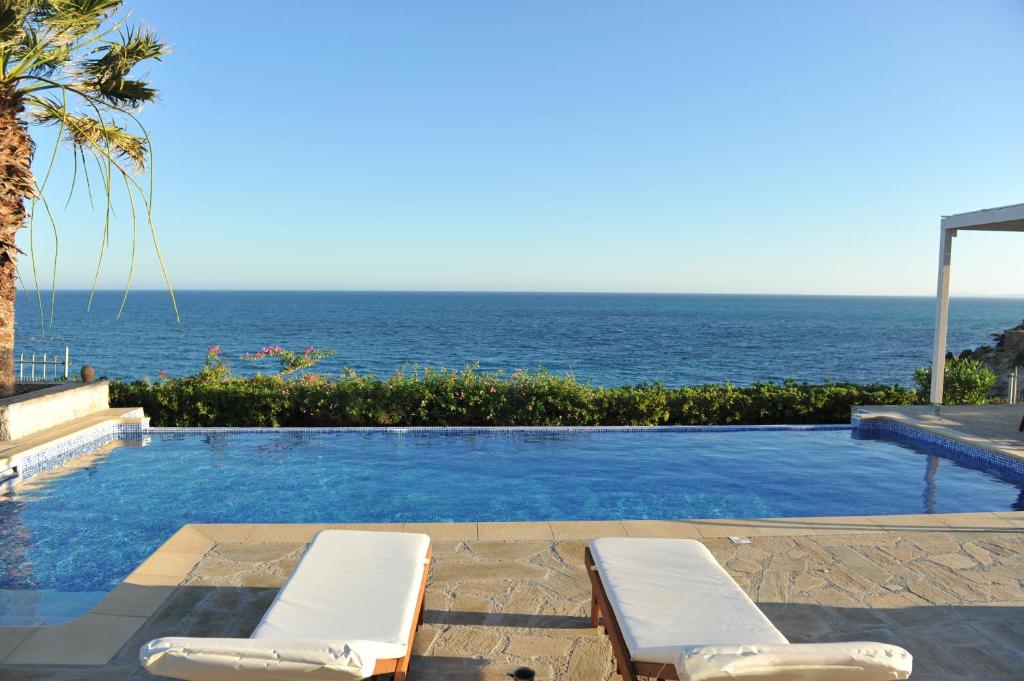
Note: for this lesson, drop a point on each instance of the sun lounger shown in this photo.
(349, 611)
(672, 612)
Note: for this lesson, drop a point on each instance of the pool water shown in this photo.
(69, 535)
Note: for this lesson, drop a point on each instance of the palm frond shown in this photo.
(52, 36)
(107, 73)
(12, 21)
(75, 18)
(42, 57)
(123, 92)
(89, 134)
(116, 58)
(81, 52)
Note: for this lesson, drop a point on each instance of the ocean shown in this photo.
(606, 339)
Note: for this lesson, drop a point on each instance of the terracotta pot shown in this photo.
(88, 373)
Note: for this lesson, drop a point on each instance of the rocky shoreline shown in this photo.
(1003, 357)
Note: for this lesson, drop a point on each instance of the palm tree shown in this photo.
(68, 64)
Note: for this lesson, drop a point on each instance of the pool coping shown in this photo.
(96, 637)
(456, 430)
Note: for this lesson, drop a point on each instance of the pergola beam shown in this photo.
(1003, 219)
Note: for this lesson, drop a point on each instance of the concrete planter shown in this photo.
(26, 414)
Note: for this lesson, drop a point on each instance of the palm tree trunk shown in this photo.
(16, 185)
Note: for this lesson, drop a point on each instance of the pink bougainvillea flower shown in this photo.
(163, 374)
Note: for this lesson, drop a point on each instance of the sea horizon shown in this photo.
(979, 296)
(620, 338)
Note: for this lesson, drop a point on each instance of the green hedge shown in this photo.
(965, 381)
(471, 398)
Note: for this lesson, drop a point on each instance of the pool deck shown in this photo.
(946, 587)
(993, 427)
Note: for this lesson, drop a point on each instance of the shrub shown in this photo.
(289, 361)
(966, 381)
(441, 397)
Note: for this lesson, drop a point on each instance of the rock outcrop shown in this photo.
(1007, 353)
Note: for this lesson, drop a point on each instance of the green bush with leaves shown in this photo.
(966, 381)
(442, 397)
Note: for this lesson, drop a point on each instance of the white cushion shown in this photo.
(858, 661)
(352, 586)
(350, 602)
(241, 659)
(668, 594)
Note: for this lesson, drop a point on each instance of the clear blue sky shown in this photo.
(790, 147)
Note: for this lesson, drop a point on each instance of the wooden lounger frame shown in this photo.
(398, 667)
(600, 605)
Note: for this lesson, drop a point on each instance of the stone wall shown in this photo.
(26, 414)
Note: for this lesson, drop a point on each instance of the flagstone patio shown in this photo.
(948, 588)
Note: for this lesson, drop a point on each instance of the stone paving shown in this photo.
(953, 597)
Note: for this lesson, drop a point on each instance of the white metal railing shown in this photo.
(1015, 386)
(55, 360)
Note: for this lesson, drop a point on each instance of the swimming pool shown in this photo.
(70, 534)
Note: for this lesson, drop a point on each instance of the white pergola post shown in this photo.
(1005, 219)
(941, 315)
